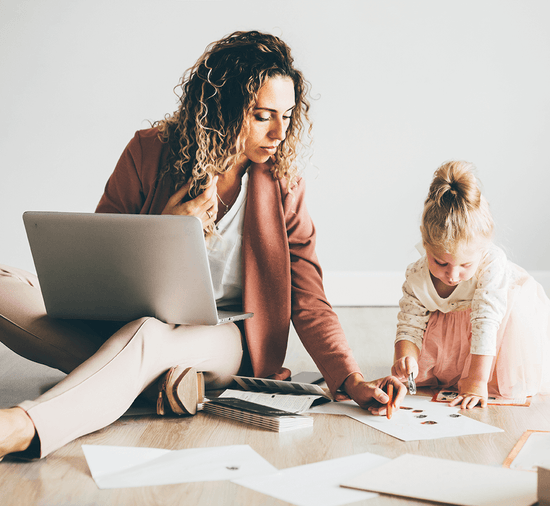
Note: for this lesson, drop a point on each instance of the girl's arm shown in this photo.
(411, 324)
(488, 308)
(472, 390)
(489, 301)
(405, 360)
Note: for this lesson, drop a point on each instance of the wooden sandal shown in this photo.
(180, 391)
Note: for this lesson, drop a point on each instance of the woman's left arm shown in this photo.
(314, 319)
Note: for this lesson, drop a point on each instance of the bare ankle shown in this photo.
(16, 431)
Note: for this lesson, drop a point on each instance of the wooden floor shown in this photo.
(63, 478)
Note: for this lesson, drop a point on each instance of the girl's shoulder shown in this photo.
(418, 270)
(493, 267)
(493, 255)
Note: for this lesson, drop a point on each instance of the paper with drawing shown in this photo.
(418, 419)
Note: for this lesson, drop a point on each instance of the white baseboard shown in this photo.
(380, 288)
(363, 288)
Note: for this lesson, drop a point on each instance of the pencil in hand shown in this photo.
(389, 406)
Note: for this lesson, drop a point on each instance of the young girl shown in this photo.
(468, 316)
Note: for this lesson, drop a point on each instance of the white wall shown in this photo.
(398, 86)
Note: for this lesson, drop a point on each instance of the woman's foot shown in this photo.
(16, 431)
(181, 389)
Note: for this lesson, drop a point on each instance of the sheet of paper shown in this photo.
(316, 484)
(418, 419)
(286, 402)
(449, 482)
(122, 467)
(532, 450)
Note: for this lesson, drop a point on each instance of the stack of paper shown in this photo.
(256, 414)
(281, 387)
(286, 402)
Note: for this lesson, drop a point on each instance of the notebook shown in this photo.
(124, 266)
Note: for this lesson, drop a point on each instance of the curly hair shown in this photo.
(455, 212)
(205, 134)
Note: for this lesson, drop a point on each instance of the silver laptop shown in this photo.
(124, 266)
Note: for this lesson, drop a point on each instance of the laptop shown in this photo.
(124, 266)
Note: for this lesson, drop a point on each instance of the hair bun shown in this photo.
(455, 210)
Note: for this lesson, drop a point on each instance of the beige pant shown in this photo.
(105, 372)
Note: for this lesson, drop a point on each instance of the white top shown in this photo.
(225, 252)
(485, 293)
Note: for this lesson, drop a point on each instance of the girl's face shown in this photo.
(269, 119)
(453, 269)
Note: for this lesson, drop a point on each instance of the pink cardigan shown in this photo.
(282, 278)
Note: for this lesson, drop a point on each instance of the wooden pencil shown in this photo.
(389, 407)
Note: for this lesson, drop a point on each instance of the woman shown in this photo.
(227, 156)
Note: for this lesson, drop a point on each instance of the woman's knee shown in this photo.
(226, 362)
(142, 328)
(20, 275)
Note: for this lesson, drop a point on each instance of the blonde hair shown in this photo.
(455, 212)
(217, 94)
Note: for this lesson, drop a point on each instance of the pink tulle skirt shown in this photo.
(522, 363)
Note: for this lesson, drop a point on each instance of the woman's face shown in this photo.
(269, 119)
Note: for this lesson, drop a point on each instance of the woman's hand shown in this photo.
(204, 207)
(371, 395)
(471, 393)
(403, 367)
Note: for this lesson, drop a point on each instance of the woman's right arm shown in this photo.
(125, 191)
(204, 206)
(133, 187)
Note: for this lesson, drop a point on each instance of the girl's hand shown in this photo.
(403, 367)
(471, 393)
(204, 207)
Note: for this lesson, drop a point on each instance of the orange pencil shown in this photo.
(389, 407)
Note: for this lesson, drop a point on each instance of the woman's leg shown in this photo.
(29, 332)
(101, 389)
